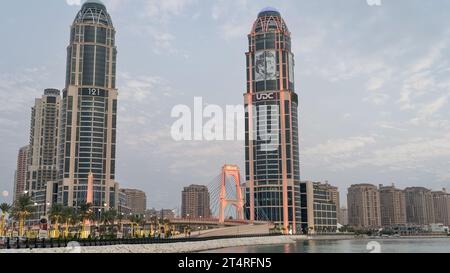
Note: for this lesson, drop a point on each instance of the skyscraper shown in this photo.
(42, 169)
(195, 202)
(392, 206)
(89, 111)
(419, 206)
(363, 202)
(21, 172)
(271, 145)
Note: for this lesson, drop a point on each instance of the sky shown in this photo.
(372, 78)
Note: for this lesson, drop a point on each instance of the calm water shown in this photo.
(438, 245)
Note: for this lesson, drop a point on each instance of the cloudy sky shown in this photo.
(373, 81)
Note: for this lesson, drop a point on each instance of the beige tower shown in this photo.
(441, 202)
(393, 206)
(363, 201)
(419, 206)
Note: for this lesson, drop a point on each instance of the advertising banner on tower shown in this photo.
(271, 66)
(291, 67)
(260, 66)
(265, 66)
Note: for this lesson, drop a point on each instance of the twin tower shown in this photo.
(86, 141)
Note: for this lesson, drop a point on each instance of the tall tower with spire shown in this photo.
(87, 142)
(272, 146)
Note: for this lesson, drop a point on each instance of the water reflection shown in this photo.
(436, 245)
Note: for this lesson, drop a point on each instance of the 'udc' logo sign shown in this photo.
(266, 96)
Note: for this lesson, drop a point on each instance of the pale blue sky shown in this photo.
(373, 83)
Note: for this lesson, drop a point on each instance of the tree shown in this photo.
(5, 208)
(135, 219)
(75, 219)
(56, 213)
(66, 216)
(109, 217)
(86, 214)
(23, 207)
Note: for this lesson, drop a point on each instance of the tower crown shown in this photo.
(93, 12)
(269, 19)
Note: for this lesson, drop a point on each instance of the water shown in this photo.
(434, 245)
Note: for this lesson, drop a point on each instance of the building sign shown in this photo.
(95, 92)
(265, 96)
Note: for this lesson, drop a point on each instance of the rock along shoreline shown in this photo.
(185, 247)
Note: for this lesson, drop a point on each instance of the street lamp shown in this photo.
(189, 223)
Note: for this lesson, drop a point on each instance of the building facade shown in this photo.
(42, 161)
(89, 111)
(271, 125)
(343, 216)
(363, 203)
(392, 206)
(441, 203)
(123, 207)
(419, 206)
(20, 174)
(135, 200)
(195, 202)
(318, 207)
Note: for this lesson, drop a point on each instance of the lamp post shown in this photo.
(189, 224)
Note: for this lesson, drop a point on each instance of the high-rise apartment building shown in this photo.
(271, 125)
(419, 206)
(89, 111)
(20, 174)
(363, 202)
(392, 206)
(195, 202)
(441, 202)
(135, 200)
(42, 161)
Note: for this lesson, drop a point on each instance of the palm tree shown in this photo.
(154, 222)
(5, 208)
(56, 213)
(86, 214)
(109, 217)
(112, 215)
(135, 219)
(23, 207)
(66, 216)
(75, 219)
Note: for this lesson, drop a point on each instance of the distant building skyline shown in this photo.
(374, 117)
